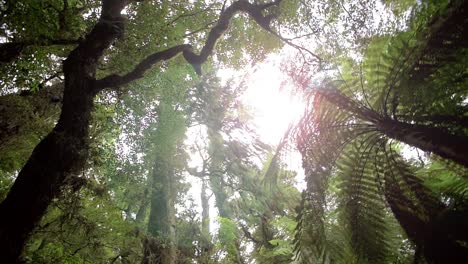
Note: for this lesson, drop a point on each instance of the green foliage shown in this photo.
(446, 182)
(38, 26)
(25, 120)
(84, 230)
(363, 209)
(228, 236)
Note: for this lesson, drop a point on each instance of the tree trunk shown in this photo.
(426, 138)
(439, 233)
(63, 152)
(431, 139)
(205, 210)
(217, 181)
(161, 246)
(61, 155)
(205, 243)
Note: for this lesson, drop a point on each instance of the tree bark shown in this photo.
(437, 231)
(160, 247)
(426, 138)
(431, 139)
(63, 152)
(61, 155)
(205, 243)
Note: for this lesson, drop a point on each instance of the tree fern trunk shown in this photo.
(427, 138)
(431, 139)
(438, 232)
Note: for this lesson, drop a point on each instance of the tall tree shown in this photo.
(160, 246)
(63, 152)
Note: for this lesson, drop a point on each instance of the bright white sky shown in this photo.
(273, 108)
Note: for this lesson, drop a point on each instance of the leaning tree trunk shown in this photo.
(61, 155)
(437, 230)
(431, 139)
(426, 138)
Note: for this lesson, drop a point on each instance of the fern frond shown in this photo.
(363, 207)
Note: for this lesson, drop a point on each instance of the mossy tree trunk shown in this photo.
(160, 246)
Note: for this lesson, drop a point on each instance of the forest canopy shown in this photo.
(240, 131)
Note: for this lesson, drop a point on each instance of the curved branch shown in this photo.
(196, 60)
(115, 80)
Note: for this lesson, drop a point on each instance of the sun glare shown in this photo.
(273, 108)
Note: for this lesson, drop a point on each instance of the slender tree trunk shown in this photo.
(217, 180)
(205, 242)
(215, 171)
(205, 210)
(62, 153)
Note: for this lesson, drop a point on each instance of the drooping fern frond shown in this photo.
(363, 209)
(321, 138)
(450, 180)
(417, 75)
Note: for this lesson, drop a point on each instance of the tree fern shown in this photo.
(349, 134)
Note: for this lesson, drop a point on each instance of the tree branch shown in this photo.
(115, 80)
(10, 51)
(196, 60)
